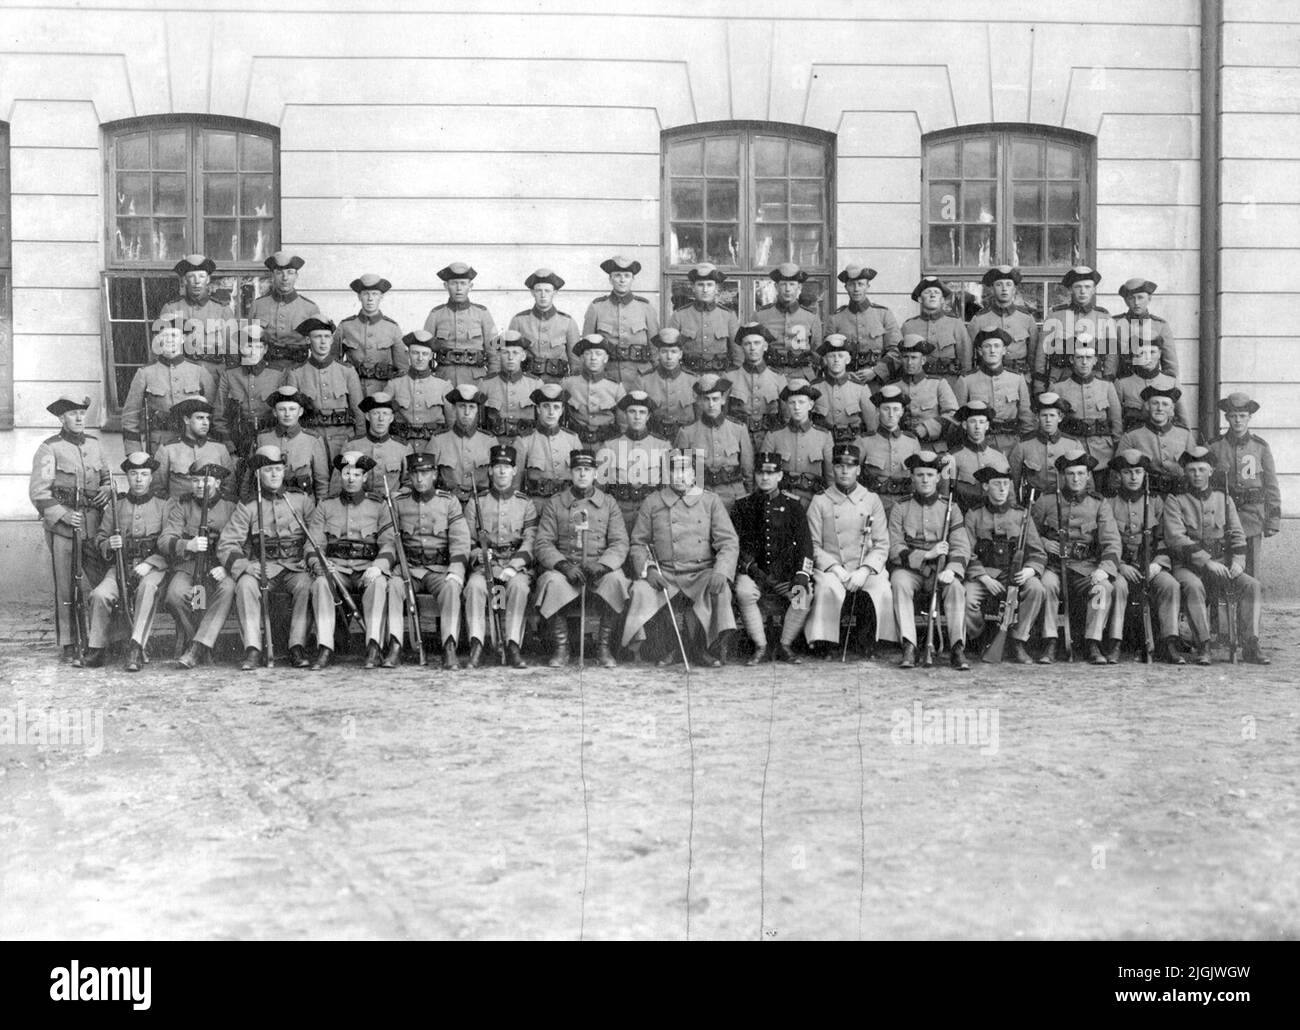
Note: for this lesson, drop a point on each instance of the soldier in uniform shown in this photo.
(463, 332)
(850, 540)
(885, 452)
(239, 552)
(543, 454)
(796, 330)
(755, 388)
(182, 540)
(695, 549)
(508, 403)
(993, 528)
(1081, 318)
(919, 535)
(551, 334)
(1247, 464)
(192, 449)
(1033, 459)
(1204, 536)
(630, 467)
(1137, 513)
(436, 539)
(1005, 315)
(804, 447)
(931, 403)
(1138, 326)
(707, 330)
(1078, 524)
(207, 323)
(582, 543)
(973, 454)
(1096, 418)
(627, 321)
(356, 533)
(723, 443)
(1005, 393)
(281, 310)
(387, 453)
(419, 396)
(949, 353)
(370, 341)
(844, 407)
(591, 395)
(463, 453)
(158, 387)
(241, 410)
(669, 386)
(871, 329)
(303, 453)
(1161, 439)
(507, 521)
(1145, 371)
(333, 389)
(70, 483)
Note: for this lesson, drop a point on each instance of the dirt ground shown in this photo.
(806, 802)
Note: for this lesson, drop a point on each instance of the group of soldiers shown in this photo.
(650, 483)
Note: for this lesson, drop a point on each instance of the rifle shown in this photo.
(853, 603)
(1230, 603)
(672, 617)
(119, 563)
(581, 524)
(1062, 542)
(263, 585)
(77, 599)
(148, 426)
(412, 608)
(1144, 560)
(494, 598)
(1010, 606)
(199, 593)
(342, 598)
(932, 615)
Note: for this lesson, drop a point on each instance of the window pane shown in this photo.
(255, 153)
(133, 240)
(769, 156)
(807, 159)
(687, 244)
(1062, 245)
(770, 246)
(1027, 205)
(125, 299)
(944, 241)
(686, 158)
(133, 151)
(806, 245)
(1026, 159)
(256, 198)
(723, 248)
(688, 198)
(943, 201)
(169, 238)
(131, 339)
(722, 156)
(1063, 202)
(806, 201)
(221, 239)
(219, 194)
(158, 290)
(170, 195)
(723, 200)
(255, 240)
(169, 149)
(219, 151)
(1062, 162)
(978, 159)
(977, 202)
(943, 160)
(1028, 245)
(133, 194)
(771, 200)
(978, 245)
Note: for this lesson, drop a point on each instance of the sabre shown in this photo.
(681, 644)
(853, 604)
(1062, 539)
(581, 525)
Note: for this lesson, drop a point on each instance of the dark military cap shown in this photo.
(64, 404)
(890, 394)
(788, 272)
(457, 270)
(314, 325)
(1239, 402)
(992, 334)
(288, 393)
(421, 461)
(592, 341)
(1194, 455)
(378, 399)
(582, 458)
(800, 388)
(549, 392)
(370, 281)
(543, 275)
(501, 454)
(1074, 459)
(1001, 272)
(139, 460)
(924, 460)
(636, 397)
(195, 263)
(845, 454)
(419, 338)
(706, 271)
(1137, 285)
(283, 259)
(835, 343)
(1172, 392)
(752, 329)
(514, 338)
(768, 461)
(972, 408)
(998, 468)
(1048, 399)
(928, 282)
(667, 337)
(209, 471)
(354, 459)
(710, 383)
(267, 454)
(1079, 274)
(620, 263)
(914, 344)
(1129, 458)
(191, 406)
(466, 393)
(855, 272)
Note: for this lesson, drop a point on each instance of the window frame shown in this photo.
(6, 284)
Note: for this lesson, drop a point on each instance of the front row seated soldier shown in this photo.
(885, 452)
(1247, 464)
(419, 396)
(1204, 536)
(239, 552)
(356, 533)
(581, 544)
(776, 559)
(973, 454)
(1077, 524)
(850, 541)
(307, 467)
(370, 341)
(435, 537)
(139, 521)
(508, 395)
(191, 449)
(462, 453)
(631, 465)
(755, 396)
(1161, 439)
(1033, 459)
(591, 394)
(724, 443)
(182, 540)
(669, 386)
(387, 452)
(931, 403)
(805, 448)
(1003, 392)
(333, 388)
(844, 407)
(506, 521)
(543, 454)
(1137, 510)
(994, 530)
(1096, 418)
(683, 545)
(924, 547)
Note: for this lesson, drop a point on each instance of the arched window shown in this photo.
(747, 196)
(1018, 195)
(6, 296)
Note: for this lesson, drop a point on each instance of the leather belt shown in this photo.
(1214, 548)
(1004, 425)
(138, 548)
(538, 487)
(595, 434)
(499, 426)
(894, 486)
(550, 366)
(71, 497)
(342, 417)
(462, 356)
(633, 352)
(723, 476)
(1162, 482)
(631, 491)
(1079, 551)
(286, 352)
(805, 481)
(994, 551)
(412, 431)
(781, 357)
(764, 423)
(426, 555)
(376, 370)
(276, 548)
(865, 359)
(352, 550)
(844, 434)
(667, 428)
(942, 367)
(1085, 427)
(699, 363)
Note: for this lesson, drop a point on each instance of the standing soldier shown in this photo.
(1161, 439)
(436, 539)
(356, 533)
(920, 537)
(463, 332)
(239, 552)
(241, 411)
(683, 545)
(158, 387)
(302, 453)
(804, 447)
(949, 353)
(671, 388)
(134, 531)
(1077, 525)
(776, 559)
(592, 396)
(1005, 393)
(844, 407)
(370, 341)
(1137, 326)
(755, 388)
(581, 543)
(1095, 417)
(707, 330)
(1247, 464)
(192, 449)
(386, 452)
(973, 454)
(723, 443)
(1144, 372)
(627, 321)
(1005, 315)
(209, 325)
(543, 454)
(850, 540)
(184, 537)
(70, 483)
(797, 331)
(1205, 538)
(508, 404)
(1081, 318)
(419, 396)
(871, 329)
(885, 452)
(994, 529)
(550, 333)
(507, 521)
(931, 403)
(332, 388)
(463, 453)
(281, 310)
(630, 467)
(1033, 459)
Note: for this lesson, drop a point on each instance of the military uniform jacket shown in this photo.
(708, 335)
(631, 461)
(390, 460)
(1033, 460)
(237, 546)
(873, 335)
(509, 408)
(1091, 538)
(553, 335)
(372, 346)
(64, 464)
(306, 465)
(727, 450)
(181, 521)
(207, 327)
(845, 408)
(1006, 394)
(883, 456)
(434, 532)
(994, 534)
(1128, 521)
(557, 541)
(627, 322)
(543, 460)
(510, 524)
(1164, 446)
(1017, 323)
(675, 396)
(177, 458)
(1132, 330)
(590, 407)
(952, 348)
(1095, 407)
(242, 411)
(279, 315)
(161, 385)
(690, 532)
(334, 390)
(1203, 527)
(355, 532)
(419, 401)
(1061, 328)
(774, 538)
(1247, 464)
(463, 459)
(931, 405)
(967, 460)
(1129, 390)
(836, 522)
(464, 334)
(798, 333)
(756, 396)
(140, 522)
(916, 525)
(807, 453)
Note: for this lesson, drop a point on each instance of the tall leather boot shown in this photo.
(560, 636)
(604, 642)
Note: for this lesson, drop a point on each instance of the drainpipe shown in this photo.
(1211, 321)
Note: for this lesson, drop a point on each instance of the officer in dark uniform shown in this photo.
(463, 332)
(629, 322)
(872, 331)
(370, 341)
(281, 310)
(551, 334)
